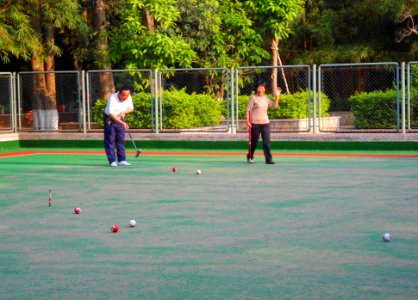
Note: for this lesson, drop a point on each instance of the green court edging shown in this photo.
(223, 145)
(53, 144)
(347, 145)
(8, 146)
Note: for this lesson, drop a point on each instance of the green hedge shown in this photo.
(375, 110)
(291, 106)
(140, 118)
(180, 110)
(378, 109)
(414, 108)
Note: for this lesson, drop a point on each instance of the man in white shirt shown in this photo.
(118, 105)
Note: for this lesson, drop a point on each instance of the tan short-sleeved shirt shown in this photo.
(258, 107)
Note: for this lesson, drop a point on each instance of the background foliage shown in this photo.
(141, 117)
(291, 106)
(208, 33)
(378, 109)
(180, 110)
(374, 110)
(183, 110)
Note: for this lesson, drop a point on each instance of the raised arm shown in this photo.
(276, 97)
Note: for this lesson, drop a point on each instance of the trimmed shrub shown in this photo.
(291, 106)
(140, 118)
(374, 110)
(414, 108)
(98, 110)
(180, 110)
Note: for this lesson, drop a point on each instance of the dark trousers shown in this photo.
(264, 130)
(114, 138)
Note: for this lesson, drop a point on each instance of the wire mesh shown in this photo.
(360, 97)
(295, 103)
(351, 98)
(195, 100)
(412, 99)
(102, 83)
(49, 101)
(6, 101)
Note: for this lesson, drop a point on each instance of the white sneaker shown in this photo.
(123, 163)
(113, 164)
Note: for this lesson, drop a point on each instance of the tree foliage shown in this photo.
(221, 33)
(212, 33)
(275, 17)
(139, 47)
(17, 37)
(351, 31)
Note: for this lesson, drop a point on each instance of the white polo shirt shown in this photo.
(116, 107)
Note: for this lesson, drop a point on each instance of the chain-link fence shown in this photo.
(49, 101)
(360, 97)
(350, 98)
(194, 100)
(6, 101)
(412, 97)
(102, 83)
(295, 103)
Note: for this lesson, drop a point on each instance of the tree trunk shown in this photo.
(276, 61)
(50, 68)
(51, 112)
(148, 20)
(86, 11)
(105, 78)
(44, 104)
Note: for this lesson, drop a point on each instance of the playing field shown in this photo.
(309, 227)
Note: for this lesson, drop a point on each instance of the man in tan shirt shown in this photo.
(258, 121)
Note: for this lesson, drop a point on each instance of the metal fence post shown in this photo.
(156, 100)
(13, 108)
(232, 84)
(314, 116)
(236, 116)
(409, 95)
(160, 102)
(403, 97)
(83, 100)
(398, 99)
(88, 101)
(19, 110)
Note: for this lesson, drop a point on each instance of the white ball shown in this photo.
(132, 223)
(198, 172)
(387, 237)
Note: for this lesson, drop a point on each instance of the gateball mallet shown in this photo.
(138, 151)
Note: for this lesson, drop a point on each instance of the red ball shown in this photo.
(77, 210)
(174, 169)
(115, 228)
